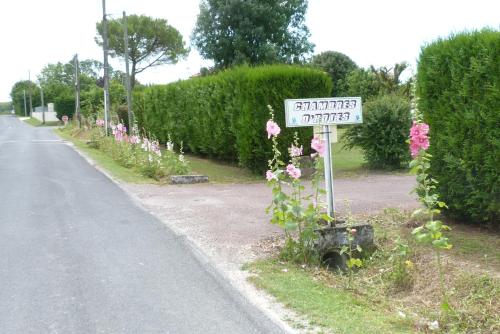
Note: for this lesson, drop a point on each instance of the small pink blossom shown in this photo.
(293, 171)
(318, 145)
(295, 151)
(99, 122)
(272, 128)
(270, 175)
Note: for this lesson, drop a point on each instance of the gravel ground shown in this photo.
(226, 220)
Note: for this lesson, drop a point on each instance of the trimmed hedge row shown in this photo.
(224, 115)
(458, 85)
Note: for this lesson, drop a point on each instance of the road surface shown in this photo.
(78, 256)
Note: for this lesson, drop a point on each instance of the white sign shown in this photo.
(323, 111)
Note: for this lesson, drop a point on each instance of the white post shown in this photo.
(329, 172)
(43, 108)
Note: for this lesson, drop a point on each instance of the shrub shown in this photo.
(383, 134)
(458, 86)
(64, 105)
(222, 115)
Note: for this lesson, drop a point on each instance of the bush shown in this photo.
(224, 115)
(64, 106)
(458, 86)
(383, 134)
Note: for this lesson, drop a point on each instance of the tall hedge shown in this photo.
(224, 115)
(458, 85)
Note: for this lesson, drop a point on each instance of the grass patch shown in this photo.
(35, 122)
(220, 172)
(335, 310)
(105, 161)
(475, 244)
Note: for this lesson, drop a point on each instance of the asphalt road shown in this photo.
(78, 256)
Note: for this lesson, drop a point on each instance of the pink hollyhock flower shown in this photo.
(270, 175)
(318, 145)
(293, 171)
(272, 128)
(295, 151)
(418, 138)
(419, 130)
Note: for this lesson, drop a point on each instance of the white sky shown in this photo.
(383, 32)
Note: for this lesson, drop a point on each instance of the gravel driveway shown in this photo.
(226, 220)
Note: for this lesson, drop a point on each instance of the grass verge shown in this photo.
(331, 310)
(103, 160)
(383, 299)
(35, 122)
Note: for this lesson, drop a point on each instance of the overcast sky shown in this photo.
(36, 32)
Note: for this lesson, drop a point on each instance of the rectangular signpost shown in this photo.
(324, 112)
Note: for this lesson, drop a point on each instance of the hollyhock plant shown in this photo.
(297, 213)
(432, 232)
(272, 128)
(318, 145)
(293, 171)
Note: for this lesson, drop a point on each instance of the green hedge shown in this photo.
(224, 115)
(458, 85)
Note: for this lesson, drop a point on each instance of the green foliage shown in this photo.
(383, 134)
(224, 115)
(151, 42)
(252, 32)
(338, 66)
(5, 107)
(458, 85)
(64, 105)
(17, 96)
(402, 268)
(371, 82)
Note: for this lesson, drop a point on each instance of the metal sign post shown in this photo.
(329, 172)
(324, 112)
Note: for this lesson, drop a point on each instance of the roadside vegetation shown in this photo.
(394, 292)
(136, 152)
(35, 122)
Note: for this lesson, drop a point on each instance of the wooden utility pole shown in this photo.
(127, 75)
(77, 91)
(25, 109)
(107, 102)
(29, 93)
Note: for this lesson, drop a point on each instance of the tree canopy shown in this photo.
(371, 82)
(338, 66)
(232, 32)
(17, 96)
(151, 42)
